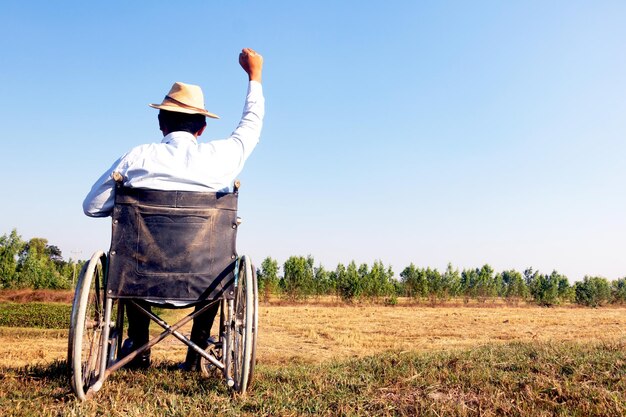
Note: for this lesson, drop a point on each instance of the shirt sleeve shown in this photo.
(248, 131)
(240, 144)
(101, 199)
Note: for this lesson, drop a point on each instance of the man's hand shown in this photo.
(252, 63)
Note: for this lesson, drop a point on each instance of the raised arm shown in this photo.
(238, 147)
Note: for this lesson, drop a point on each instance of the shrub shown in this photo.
(391, 300)
(40, 315)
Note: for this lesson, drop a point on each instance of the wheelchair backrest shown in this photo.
(172, 245)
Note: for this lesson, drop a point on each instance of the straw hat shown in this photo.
(184, 98)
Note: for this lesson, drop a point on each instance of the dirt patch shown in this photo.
(46, 296)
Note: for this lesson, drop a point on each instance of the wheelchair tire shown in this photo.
(86, 327)
(75, 302)
(255, 328)
(244, 327)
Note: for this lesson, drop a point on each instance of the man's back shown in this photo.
(180, 163)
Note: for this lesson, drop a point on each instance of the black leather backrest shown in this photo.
(172, 245)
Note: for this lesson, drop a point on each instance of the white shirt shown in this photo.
(180, 163)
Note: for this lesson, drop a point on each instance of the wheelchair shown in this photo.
(172, 249)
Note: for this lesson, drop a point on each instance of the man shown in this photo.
(180, 163)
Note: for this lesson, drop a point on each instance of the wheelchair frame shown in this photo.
(97, 326)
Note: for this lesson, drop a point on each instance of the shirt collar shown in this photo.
(177, 137)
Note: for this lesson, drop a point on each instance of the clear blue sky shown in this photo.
(426, 132)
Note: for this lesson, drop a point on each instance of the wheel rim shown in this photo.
(87, 328)
(240, 324)
(243, 324)
(255, 327)
(92, 332)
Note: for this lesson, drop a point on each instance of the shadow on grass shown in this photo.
(517, 379)
(53, 381)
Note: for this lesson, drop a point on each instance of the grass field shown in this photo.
(317, 333)
(360, 360)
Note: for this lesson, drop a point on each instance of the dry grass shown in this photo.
(311, 333)
(331, 360)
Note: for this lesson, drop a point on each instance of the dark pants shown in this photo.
(138, 324)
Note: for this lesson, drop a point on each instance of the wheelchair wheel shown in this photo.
(87, 324)
(244, 326)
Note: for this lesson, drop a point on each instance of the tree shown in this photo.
(298, 277)
(323, 285)
(363, 282)
(514, 288)
(485, 285)
(529, 276)
(469, 279)
(593, 291)
(10, 248)
(268, 278)
(36, 269)
(350, 285)
(565, 291)
(415, 283)
(547, 290)
(618, 291)
(451, 281)
(435, 284)
(377, 281)
(54, 254)
(337, 277)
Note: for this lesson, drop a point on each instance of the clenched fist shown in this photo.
(252, 63)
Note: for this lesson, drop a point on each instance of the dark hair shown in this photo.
(177, 122)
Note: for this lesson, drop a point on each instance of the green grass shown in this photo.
(38, 315)
(519, 379)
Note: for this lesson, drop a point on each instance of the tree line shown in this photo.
(38, 265)
(34, 264)
(301, 279)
